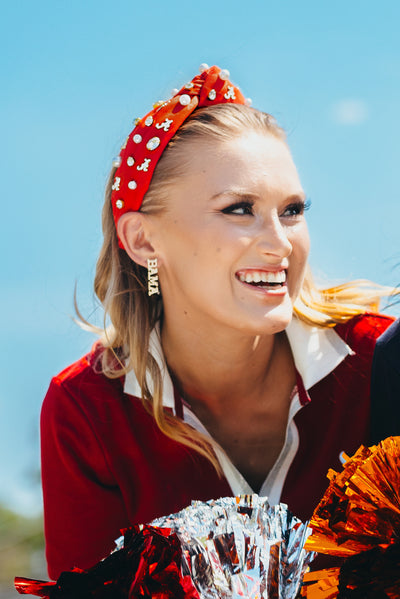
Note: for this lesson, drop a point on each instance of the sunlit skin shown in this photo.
(238, 212)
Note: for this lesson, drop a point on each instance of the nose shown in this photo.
(273, 239)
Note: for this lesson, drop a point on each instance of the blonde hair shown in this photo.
(121, 284)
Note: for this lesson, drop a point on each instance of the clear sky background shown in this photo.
(74, 75)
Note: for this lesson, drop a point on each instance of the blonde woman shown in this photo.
(224, 370)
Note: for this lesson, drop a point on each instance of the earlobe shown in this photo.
(133, 232)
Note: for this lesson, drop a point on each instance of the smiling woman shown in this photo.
(225, 370)
(222, 224)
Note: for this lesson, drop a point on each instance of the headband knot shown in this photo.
(146, 143)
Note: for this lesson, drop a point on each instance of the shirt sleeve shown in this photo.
(83, 506)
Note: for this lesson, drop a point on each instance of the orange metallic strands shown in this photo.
(359, 519)
(323, 584)
(361, 507)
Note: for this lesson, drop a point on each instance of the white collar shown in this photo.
(316, 351)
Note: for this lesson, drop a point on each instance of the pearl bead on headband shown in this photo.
(145, 145)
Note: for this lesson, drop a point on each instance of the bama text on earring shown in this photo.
(152, 277)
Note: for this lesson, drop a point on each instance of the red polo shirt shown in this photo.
(105, 464)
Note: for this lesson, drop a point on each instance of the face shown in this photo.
(233, 243)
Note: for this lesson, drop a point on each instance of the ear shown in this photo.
(133, 231)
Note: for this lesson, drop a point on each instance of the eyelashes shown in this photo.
(240, 208)
(297, 208)
(247, 208)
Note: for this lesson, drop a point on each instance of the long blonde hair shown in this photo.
(121, 284)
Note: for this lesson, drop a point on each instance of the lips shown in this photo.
(262, 278)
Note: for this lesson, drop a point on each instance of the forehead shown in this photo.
(250, 159)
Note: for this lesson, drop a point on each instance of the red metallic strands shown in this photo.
(148, 566)
(146, 143)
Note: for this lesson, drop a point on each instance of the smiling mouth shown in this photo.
(263, 279)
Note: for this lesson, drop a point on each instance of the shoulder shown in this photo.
(75, 372)
(361, 332)
(82, 385)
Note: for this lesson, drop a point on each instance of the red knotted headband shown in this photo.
(145, 145)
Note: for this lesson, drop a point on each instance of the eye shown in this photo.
(296, 208)
(240, 208)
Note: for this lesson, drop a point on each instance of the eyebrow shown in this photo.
(244, 195)
(240, 195)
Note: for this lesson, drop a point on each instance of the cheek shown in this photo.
(177, 242)
(189, 256)
(301, 246)
(301, 243)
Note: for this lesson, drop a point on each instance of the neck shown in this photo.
(217, 369)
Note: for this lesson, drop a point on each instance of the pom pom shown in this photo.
(361, 507)
(359, 518)
(232, 547)
(149, 565)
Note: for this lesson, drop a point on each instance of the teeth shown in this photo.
(262, 276)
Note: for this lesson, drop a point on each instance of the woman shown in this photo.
(204, 385)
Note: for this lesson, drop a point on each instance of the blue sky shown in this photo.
(73, 77)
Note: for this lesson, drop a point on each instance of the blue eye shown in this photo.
(297, 208)
(240, 208)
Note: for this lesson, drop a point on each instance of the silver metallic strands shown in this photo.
(241, 547)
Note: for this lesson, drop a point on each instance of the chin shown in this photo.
(278, 317)
(272, 322)
(276, 324)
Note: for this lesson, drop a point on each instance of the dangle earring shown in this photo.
(152, 277)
